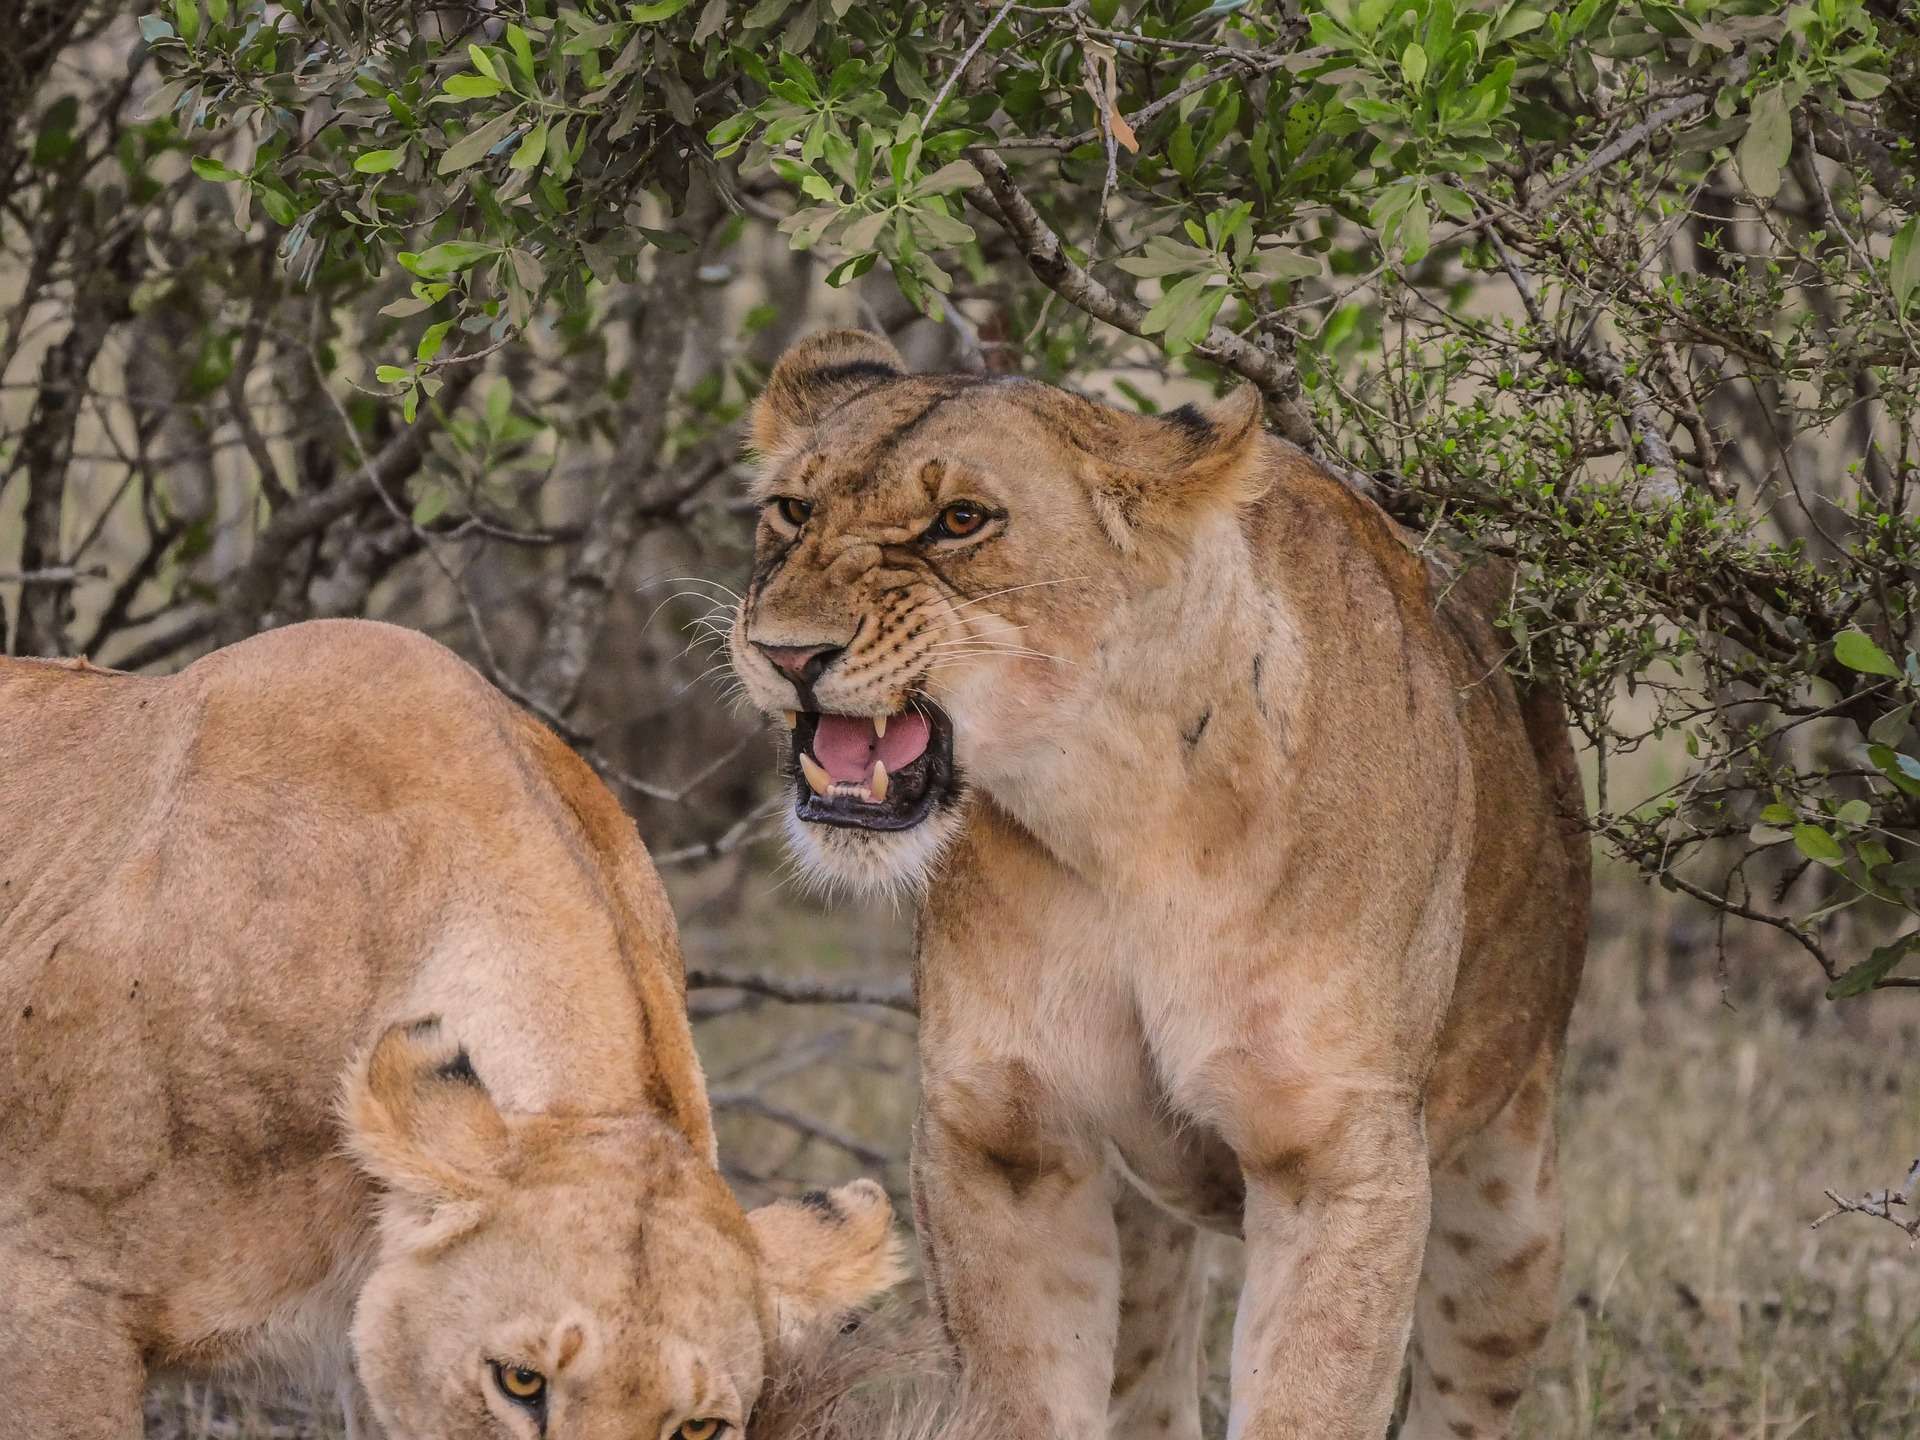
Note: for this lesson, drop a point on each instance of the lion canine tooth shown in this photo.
(879, 727)
(791, 717)
(817, 778)
(878, 787)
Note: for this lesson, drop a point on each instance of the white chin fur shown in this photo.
(868, 864)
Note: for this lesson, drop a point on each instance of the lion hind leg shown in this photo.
(1165, 1266)
(1490, 1281)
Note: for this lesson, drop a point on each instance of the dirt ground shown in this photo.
(1703, 1116)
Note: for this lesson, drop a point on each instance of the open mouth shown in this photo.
(872, 772)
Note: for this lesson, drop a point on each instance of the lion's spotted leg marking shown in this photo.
(71, 1371)
(1165, 1267)
(1035, 1329)
(1491, 1279)
(358, 1415)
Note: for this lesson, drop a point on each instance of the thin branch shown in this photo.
(890, 995)
(752, 1104)
(1044, 253)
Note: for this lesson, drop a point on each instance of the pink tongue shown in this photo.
(847, 746)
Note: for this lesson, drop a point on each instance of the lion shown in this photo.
(343, 1038)
(1253, 893)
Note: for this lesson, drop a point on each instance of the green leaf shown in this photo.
(1863, 84)
(1816, 844)
(957, 175)
(446, 258)
(378, 162)
(473, 146)
(1855, 650)
(280, 208)
(499, 404)
(522, 47)
(1413, 65)
(1180, 150)
(1903, 270)
(1891, 728)
(391, 374)
(1768, 144)
(1279, 263)
(431, 340)
(652, 14)
(862, 234)
(1854, 812)
(473, 87)
(186, 18)
(531, 149)
(1517, 21)
(1870, 971)
(210, 169)
(429, 507)
(483, 62)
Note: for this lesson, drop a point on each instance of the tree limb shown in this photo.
(580, 609)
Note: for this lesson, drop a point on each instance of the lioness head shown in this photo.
(576, 1277)
(938, 559)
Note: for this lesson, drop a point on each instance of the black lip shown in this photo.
(915, 790)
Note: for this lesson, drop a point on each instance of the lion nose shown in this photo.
(803, 662)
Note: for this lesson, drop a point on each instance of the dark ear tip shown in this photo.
(459, 1070)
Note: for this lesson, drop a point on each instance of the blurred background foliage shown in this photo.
(449, 313)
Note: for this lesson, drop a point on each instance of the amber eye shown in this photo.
(519, 1384)
(700, 1429)
(958, 521)
(793, 510)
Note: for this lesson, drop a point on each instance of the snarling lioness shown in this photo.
(343, 1035)
(1255, 894)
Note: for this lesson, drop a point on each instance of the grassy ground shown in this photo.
(1703, 1118)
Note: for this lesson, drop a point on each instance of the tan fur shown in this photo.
(343, 1037)
(1268, 891)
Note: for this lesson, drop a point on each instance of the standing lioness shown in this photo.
(342, 1034)
(1245, 868)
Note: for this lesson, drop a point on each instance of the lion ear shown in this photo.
(816, 375)
(826, 1255)
(420, 1122)
(1161, 472)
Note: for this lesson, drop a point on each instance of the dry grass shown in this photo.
(1701, 1123)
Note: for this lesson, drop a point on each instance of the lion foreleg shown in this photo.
(1334, 1236)
(1023, 1265)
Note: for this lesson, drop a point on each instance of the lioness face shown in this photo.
(937, 561)
(577, 1278)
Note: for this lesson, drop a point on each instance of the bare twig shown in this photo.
(891, 995)
(749, 1103)
(1880, 1205)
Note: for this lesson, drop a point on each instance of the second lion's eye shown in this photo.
(793, 510)
(520, 1383)
(958, 521)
